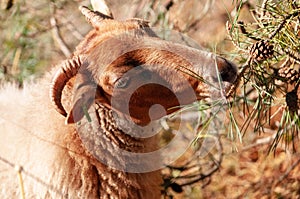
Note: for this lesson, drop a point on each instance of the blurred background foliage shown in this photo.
(29, 42)
(261, 36)
(26, 45)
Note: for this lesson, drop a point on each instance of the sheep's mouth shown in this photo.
(212, 90)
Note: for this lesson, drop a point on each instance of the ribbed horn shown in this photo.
(94, 18)
(68, 69)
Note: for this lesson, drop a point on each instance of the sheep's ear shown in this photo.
(83, 99)
(79, 110)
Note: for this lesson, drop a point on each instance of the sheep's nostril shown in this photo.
(227, 70)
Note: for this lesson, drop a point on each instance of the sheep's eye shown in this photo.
(123, 82)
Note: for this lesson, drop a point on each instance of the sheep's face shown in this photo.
(144, 89)
(149, 78)
(126, 67)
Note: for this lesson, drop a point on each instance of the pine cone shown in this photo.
(289, 74)
(261, 50)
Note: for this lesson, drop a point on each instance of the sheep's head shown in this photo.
(126, 67)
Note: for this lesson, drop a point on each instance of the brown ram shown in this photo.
(107, 91)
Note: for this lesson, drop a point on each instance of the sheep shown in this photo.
(71, 145)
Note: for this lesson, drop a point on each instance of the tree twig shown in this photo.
(56, 35)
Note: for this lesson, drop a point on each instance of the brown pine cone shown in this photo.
(261, 50)
(289, 74)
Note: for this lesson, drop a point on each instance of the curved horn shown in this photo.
(94, 18)
(68, 69)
